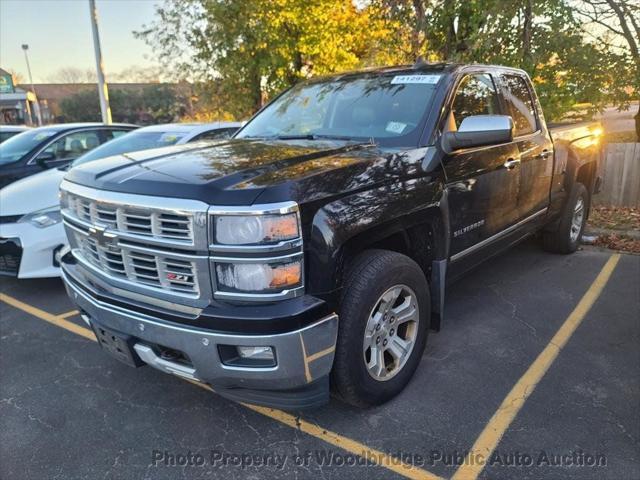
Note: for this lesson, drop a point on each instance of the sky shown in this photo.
(58, 33)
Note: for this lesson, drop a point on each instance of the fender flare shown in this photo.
(349, 225)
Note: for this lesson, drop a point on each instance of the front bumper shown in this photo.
(299, 379)
(38, 247)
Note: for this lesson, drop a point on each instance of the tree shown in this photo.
(18, 78)
(136, 74)
(621, 19)
(160, 103)
(255, 48)
(74, 75)
(244, 51)
(544, 37)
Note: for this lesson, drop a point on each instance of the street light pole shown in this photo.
(103, 89)
(36, 105)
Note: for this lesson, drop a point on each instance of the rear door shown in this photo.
(482, 192)
(533, 141)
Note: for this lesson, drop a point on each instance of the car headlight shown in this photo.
(43, 218)
(269, 237)
(64, 199)
(259, 277)
(255, 229)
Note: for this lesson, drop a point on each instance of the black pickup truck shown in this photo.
(311, 252)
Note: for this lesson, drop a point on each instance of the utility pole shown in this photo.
(36, 105)
(103, 90)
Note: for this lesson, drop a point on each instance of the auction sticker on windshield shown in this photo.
(428, 79)
(395, 127)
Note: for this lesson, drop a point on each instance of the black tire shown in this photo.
(560, 239)
(370, 276)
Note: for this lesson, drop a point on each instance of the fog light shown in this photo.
(247, 356)
(255, 353)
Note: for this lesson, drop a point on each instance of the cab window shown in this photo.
(71, 146)
(476, 95)
(519, 104)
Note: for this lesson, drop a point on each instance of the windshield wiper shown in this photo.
(312, 136)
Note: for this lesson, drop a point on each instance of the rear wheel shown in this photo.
(566, 238)
(383, 326)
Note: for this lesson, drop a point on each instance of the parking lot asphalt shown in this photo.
(499, 366)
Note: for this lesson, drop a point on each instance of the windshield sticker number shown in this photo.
(395, 127)
(424, 79)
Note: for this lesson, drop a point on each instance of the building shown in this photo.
(18, 104)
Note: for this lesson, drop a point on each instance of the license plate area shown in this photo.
(118, 345)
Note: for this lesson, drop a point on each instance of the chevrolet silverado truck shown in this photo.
(310, 253)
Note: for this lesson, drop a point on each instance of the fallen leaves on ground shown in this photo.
(619, 242)
(615, 218)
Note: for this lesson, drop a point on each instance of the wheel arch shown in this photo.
(422, 234)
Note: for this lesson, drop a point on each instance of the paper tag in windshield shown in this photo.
(395, 127)
(424, 79)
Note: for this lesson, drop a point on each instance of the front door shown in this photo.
(482, 190)
(67, 148)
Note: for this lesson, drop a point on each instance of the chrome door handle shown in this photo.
(511, 163)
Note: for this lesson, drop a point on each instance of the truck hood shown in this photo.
(241, 171)
(32, 193)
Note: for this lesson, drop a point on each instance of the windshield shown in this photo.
(19, 145)
(131, 142)
(7, 135)
(388, 109)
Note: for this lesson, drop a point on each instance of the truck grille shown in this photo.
(142, 245)
(141, 267)
(131, 219)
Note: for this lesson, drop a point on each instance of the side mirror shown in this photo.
(45, 157)
(479, 130)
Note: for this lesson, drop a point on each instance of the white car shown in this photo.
(31, 231)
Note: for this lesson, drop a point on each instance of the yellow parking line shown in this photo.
(511, 405)
(56, 320)
(337, 440)
(72, 313)
(352, 446)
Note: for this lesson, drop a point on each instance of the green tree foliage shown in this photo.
(546, 38)
(156, 103)
(255, 48)
(248, 50)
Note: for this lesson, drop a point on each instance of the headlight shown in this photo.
(64, 199)
(269, 240)
(259, 277)
(43, 218)
(255, 229)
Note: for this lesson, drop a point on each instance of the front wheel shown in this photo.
(566, 238)
(384, 317)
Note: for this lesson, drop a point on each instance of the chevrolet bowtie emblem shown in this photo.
(101, 236)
